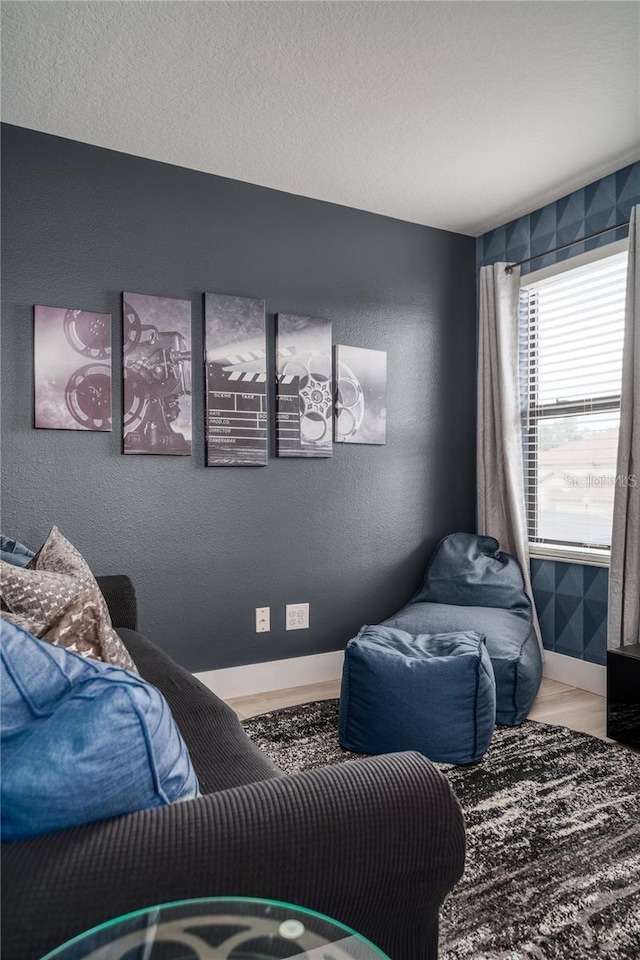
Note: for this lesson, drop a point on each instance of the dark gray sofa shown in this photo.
(376, 843)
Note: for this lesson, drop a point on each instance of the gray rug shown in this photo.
(553, 838)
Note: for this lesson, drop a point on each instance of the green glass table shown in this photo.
(220, 929)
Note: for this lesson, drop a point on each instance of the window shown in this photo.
(572, 336)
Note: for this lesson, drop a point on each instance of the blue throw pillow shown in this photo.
(11, 551)
(81, 740)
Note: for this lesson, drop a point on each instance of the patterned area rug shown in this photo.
(553, 838)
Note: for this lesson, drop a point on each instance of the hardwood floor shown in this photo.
(570, 707)
(247, 707)
(556, 703)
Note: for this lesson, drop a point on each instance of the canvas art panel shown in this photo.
(304, 386)
(72, 369)
(235, 381)
(156, 346)
(360, 395)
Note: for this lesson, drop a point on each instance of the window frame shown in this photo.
(566, 551)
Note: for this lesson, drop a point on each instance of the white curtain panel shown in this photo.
(624, 571)
(500, 503)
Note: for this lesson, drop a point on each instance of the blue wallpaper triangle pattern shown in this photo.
(601, 204)
(571, 601)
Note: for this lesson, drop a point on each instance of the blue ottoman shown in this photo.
(434, 693)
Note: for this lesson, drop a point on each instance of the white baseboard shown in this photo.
(577, 673)
(255, 678)
(274, 675)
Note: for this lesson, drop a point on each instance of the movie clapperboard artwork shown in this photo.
(72, 369)
(304, 387)
(156, 345)
(360, 395)
(235, 381)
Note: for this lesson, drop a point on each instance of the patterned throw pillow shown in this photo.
(57, 598)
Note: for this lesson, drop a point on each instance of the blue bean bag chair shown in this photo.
(471, 585)
(431, 693)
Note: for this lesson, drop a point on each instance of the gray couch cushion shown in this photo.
(222, 754)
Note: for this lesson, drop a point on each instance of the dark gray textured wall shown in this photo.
(350, 534)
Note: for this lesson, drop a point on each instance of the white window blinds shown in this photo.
(572, 326)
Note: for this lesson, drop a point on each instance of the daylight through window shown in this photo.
(572, 325)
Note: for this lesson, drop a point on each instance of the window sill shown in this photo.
(587, 556)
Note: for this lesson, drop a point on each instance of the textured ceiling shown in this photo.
(460, 115)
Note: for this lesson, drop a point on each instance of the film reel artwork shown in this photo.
(251, 931)
(156, 344)
(360, 395)
(304, 387)
(72, 369)
(235, 381)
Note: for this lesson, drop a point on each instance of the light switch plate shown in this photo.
(263, 619)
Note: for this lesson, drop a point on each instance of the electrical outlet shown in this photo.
(297, 616)
(263, 619)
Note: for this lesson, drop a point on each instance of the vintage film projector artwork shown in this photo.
(235, 352)
(360, 395)
(72, 369)
(304, 387)
(156, 345)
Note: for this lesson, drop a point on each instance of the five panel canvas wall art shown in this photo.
(317, 401)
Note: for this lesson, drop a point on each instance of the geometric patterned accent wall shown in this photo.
(595, 207)
(571, 600)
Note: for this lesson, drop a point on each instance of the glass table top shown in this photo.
(220, 929)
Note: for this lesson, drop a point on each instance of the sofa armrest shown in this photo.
(120, 595)
(376, 843)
